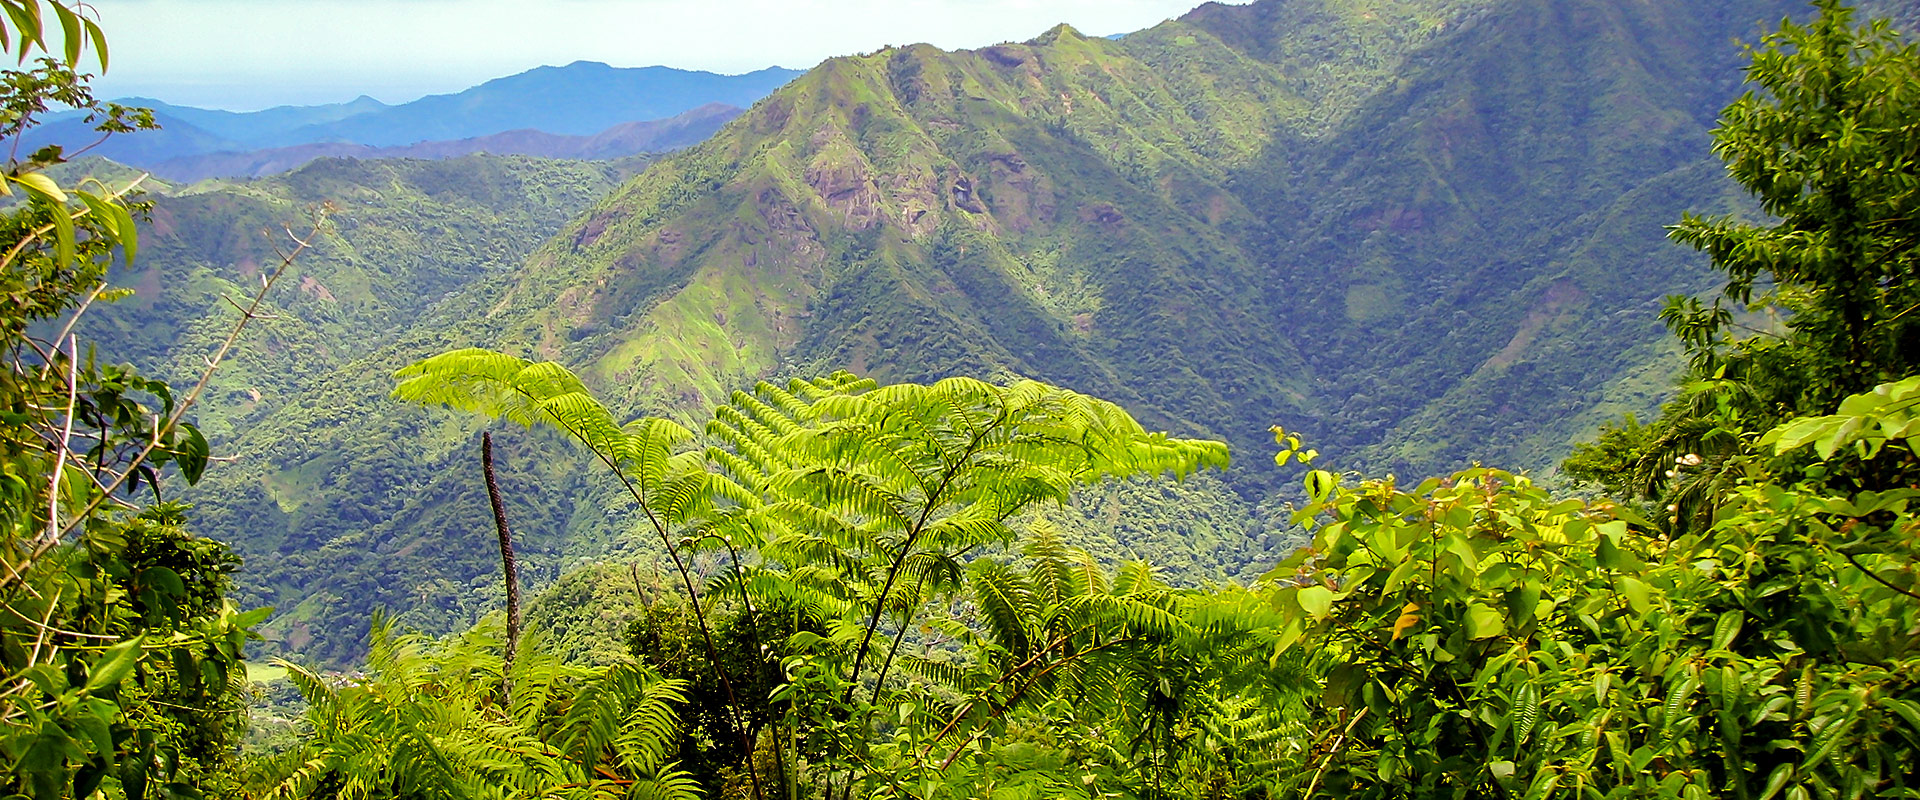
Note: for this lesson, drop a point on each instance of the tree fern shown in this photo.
(424, 723)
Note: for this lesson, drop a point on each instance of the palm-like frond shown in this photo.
(419, 727)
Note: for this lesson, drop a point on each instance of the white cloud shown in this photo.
(252, 53)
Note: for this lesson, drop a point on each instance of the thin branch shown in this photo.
(68, 328)
(1871, 574)
(1334, 751)
(60, 461)
(180, 411)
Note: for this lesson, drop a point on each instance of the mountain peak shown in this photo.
(1058, 33)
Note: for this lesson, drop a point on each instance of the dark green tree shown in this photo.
(1828, 142)
(1822, 297)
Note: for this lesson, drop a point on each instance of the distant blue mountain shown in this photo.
(584, 98)
(262, 128)
(580, 99)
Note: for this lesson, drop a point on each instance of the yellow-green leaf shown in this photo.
(1484, 622)
(1317, 601)
(42, 185)
(1637, 592)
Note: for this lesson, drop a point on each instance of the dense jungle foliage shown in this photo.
(856, 588)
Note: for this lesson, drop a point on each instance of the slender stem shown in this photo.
(74, 319)
(1871, 574)
(160, 433)
(1011, 673)
(686, 581)
(933, 502)
(509, 566)
(66, 439)
(906, 623)
(1334, 751)
(1019, 693)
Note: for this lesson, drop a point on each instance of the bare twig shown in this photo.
(1331, 752)
(72, 320)
(66, 439)
(1871, 574)
(172, 422)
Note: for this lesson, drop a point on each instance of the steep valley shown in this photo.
(1423, 232)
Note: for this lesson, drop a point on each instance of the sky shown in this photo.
(250, 54)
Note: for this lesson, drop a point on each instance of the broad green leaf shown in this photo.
(1317, 601)
(1320, 484)
(1484, 621)
(43, 186)
(192, 453)
(165, 580)
(99, 38)
(1522, 601)
(1777, 781)
(1637, 592)
(116, 663)
(63, 236)
(1831, 440)
(1398, 576)
(70, 32)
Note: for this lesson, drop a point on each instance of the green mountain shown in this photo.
(1421, 231)
(1383, 223)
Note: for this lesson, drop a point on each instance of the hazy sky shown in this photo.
(247, 54)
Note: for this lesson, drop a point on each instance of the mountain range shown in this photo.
(619, 141)
(1422, 232)
(583, 110)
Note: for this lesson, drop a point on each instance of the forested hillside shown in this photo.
(1378, 225)
(755, 426)
(1427, 232)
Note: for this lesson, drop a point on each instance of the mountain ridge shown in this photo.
(1411, 250)
(581, 99)
(619, 141)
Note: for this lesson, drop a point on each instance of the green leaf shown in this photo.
(192, 453)
(164, 580)
(125, 231)
(45, 761)
(116, 663)
(1727, 628)
(1637, 592)
(99, 38)
(46, 678)
(94, 726)
(248, 619)
(1526, 713)
(42, 185)
(1317, 601)
(1320, 484)
(1483, 621)
(1777, 781)
(63, 241)
(1831, 441)
(70, 30)
(1611, 556)
(1398, 576)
